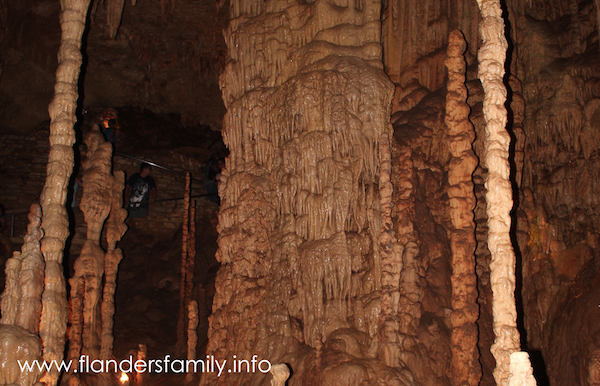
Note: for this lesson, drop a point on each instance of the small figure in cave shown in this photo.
(140, 190)
(210, 174)
(76, 185)
(110, 133)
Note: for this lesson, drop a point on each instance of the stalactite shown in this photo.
(192, 335)
(491, 58)
(466, 369)
(115, 229)
(184, 264)
(114, 12)
(55, 221)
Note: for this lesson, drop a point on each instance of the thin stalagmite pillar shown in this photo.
(184, 259)
(521, 373)
(191, 255)
(31, 277)
(115, 229)
(491, 56)
(391, 259)
(192, 334)
(55, 222)
(466, 369)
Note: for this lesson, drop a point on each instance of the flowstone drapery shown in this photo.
(308, 253)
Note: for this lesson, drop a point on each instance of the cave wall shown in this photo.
(165, 60)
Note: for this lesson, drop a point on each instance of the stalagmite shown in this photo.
(86, 283)
(21, 299)
(391, 265)
(21, 307)
(55, 221)
(142, 354)
(466, 369)
(280, 373)
(184, 263)
(192, 335)
(491, 58)
(31, 276)
(115, 229)
(191, 255)
(114, 12)
(521, 373)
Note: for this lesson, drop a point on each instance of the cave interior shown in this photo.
(410, 193)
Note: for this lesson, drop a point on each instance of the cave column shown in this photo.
(466, 369)
(55, 222)
(491, 56)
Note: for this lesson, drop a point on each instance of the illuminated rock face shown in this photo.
(309, 270)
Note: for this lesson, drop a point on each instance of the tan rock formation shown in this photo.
(301, 238)
(21, 299)
(465, 354)
(53, 322)
(21, 307)
(192, 335)
(491, 58)
(280, 373)
(86, 283)
(115, 229)
(18, 345)
(521, 373)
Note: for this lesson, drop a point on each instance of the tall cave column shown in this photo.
(466, 369)
(55, 222)
(304, 230)
(491, 56)
(86, 283)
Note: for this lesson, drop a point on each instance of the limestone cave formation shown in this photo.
(352, 192)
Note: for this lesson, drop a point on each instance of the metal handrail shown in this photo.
(13, 215)
(155, 165)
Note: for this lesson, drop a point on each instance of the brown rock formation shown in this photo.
(465, 353)
(192, 335)
(53, 322)
(181, 323)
